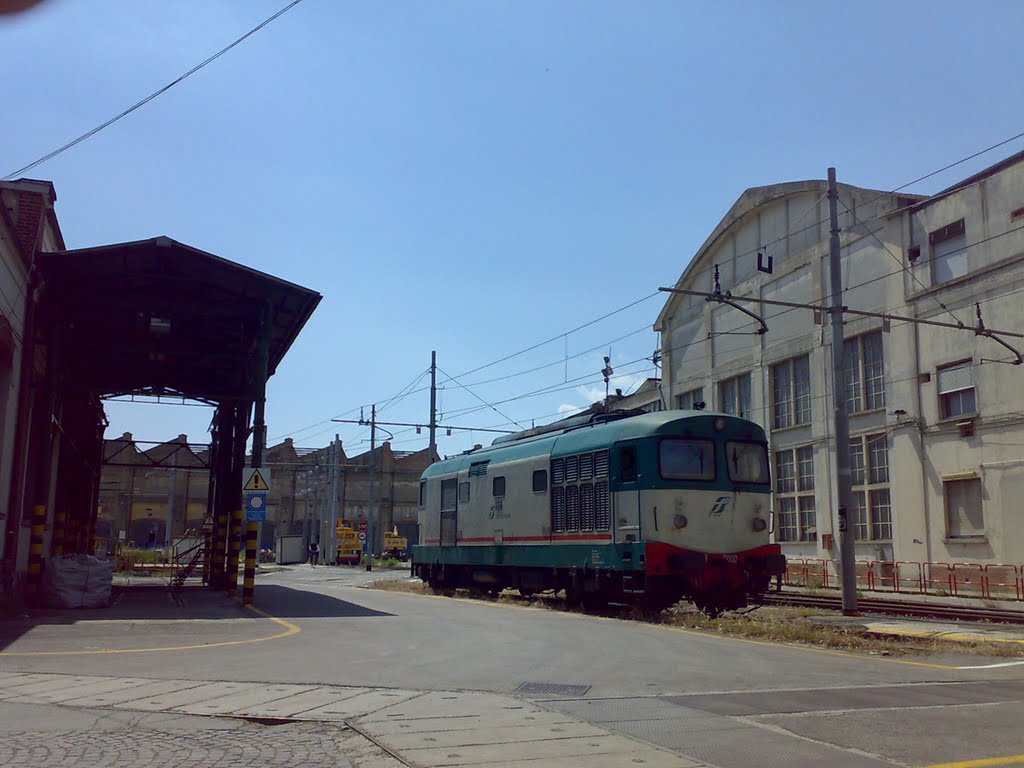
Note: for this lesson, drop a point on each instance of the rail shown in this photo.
(991, 581)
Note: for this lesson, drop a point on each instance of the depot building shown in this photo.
(937, 414)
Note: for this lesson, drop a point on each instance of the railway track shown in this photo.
(900, 608)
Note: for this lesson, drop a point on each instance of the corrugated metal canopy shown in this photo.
(160, 317)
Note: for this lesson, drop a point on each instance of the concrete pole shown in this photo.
(848, 568)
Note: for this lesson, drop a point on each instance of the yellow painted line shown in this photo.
(982, 763)
(289, 630)
(697, 632)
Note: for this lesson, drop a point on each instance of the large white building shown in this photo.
(937, 424)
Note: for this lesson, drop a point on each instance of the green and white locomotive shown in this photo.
(644, 509)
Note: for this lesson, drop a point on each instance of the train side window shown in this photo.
(423, 493)
(449, 491)
(627, 463)
(498, 486)
(540, 481)
(463, 493)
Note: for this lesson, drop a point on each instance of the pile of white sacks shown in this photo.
(79, 581)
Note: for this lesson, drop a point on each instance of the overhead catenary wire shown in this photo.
(761, 247)
(160, 91)
(489, 405)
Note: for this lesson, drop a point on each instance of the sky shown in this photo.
(476, 177)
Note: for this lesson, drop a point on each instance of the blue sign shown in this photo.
(255, 506)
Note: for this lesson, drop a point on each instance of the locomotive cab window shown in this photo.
(686, 459)
(423, 493)
(747, 462)
(627, 463)
(540, 481)
(498, 486)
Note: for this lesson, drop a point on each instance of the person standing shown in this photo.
(314, 553)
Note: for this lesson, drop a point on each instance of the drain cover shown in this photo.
(552, 689)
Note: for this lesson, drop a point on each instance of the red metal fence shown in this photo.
(994, 581)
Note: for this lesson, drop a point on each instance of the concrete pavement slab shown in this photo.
(131, 687)
(641, 758)
(88, 687)
(455, 704)
(13, 685)
(300, 703)
(29, 688)
(462, 722)
(505, 734)
(246, 700)
(189, 696)
(126, 698)
(354, 706)
(477, 754)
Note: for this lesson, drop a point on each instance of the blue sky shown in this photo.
(477, 177)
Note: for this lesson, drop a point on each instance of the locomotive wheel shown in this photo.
(707, 605)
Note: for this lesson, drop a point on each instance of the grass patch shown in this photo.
(779, 624)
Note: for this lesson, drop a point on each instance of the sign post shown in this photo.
(255, 488)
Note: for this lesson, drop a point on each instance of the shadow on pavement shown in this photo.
(157, 603)
(287, 603)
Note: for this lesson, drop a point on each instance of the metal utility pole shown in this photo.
(373, 472)
(433, 406)
(172, 492)
(848, 568)
(332, 515)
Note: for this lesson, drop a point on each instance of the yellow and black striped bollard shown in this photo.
(249, 578)
(59, 524)
(35, 551)
(234, 546)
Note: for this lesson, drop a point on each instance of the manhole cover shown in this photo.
(552, 689)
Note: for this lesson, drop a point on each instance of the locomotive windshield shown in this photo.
(748, 462)
(687, 459)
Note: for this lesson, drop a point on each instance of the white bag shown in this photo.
(80, 581)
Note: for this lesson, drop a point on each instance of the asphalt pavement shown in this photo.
(637, 691)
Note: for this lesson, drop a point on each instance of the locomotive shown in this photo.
(637, 508)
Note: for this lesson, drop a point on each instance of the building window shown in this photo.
(956, 390)
(688, 401)
(865, 372)
(498, 486)
(949, 252)
(871, 517)
(540, 481)
(734, 395)
(794, 494)
(463, 493)
(791, 392)
(964, 517)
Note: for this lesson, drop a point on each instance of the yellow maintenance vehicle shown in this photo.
(350, 548)
(396, 546)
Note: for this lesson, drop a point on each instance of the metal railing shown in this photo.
(992, 581)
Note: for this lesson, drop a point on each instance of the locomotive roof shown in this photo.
(592, 437)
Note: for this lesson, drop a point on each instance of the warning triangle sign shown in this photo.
(256, 482)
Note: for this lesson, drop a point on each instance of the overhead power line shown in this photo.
(155, 94)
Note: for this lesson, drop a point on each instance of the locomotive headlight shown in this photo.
(719, 424)
(680, 521)
(759, 524)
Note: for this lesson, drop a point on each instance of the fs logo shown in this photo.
(719, 506)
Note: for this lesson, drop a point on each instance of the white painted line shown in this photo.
(995, 666)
